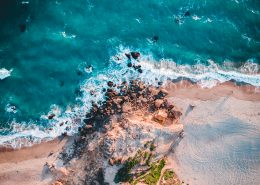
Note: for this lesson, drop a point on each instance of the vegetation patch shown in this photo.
(152, 177)
(141, 167)
(169, 178)
(168, 174)
(123, 174)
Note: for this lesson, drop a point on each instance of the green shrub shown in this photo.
(152, 147)
(154, 175)
(168, 174)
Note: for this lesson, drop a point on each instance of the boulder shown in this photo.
(164, 92)
(141, 86)
(140, 70)
(129, 64)
(111, 161)
(118, 100)
(153, 91)
(110, 84)
(128, 56)
(169, 105)
(126, 107)
(135, 55)
(174, 113)
(51, 116)
(160, 116)
(144, 100)
(57, 183)
(88, 126)
(158, 103)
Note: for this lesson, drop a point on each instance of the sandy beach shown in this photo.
(221, 132)
(26, 166)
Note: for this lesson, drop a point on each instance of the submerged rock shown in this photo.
(187, 13)
(22, 27)
(155, 38)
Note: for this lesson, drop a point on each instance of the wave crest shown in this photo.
(4, 73)
(152, 72)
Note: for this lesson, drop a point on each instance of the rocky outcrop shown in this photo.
(132, 115)
(160, 116)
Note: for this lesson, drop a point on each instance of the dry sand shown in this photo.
(221, 134)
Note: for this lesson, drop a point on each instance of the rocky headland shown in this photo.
(125, 140)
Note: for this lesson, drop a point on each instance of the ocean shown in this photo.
(54, 54)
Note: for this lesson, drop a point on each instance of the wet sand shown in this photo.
(26, 166)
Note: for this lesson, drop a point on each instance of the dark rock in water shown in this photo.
(129, 64)
(155, 39)
(78, 92)
(51, 116)
(64, 134)
(187, 13)
(177, 20)
(79, 73)
(61, 83)
(135, 55)
(140, 70)
(128, 56)
(22, 27)
(110, 84)
(137, 67)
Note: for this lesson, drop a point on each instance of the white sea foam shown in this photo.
(153, 71)
(4, 73)
(65, 35)
(195, 17)
(10, 108)
(208, 20)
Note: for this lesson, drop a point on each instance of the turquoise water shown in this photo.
(45, 47)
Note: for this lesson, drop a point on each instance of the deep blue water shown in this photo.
(48, 45)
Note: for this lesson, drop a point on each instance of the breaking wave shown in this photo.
(26, 134)
(4, 73)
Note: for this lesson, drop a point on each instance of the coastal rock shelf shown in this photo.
(135, 121)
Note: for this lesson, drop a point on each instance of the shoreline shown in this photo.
(185, 88)
(39, 150)
(26, 166)
(13, 160)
